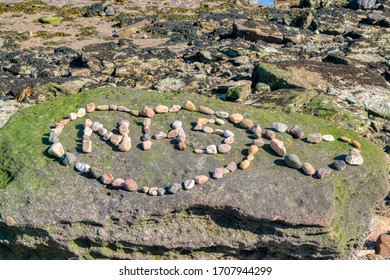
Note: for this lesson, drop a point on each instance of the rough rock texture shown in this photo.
(268, 211)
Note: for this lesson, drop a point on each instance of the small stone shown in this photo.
(236, 118)
(278, 146)
(229, 140)
(227, 133)
(328, 138)
(270, 134)
(175, 108)
(68, 159)
(218, 173)
(145, 137)
(88, 123)
(258, 142)
(293, 161)
(152, 191)
(95, 172)
(161, 109)
(146, 122)
(181, 146)
(134, 113)
(124, 122)
(197, 127)
(245, 164)
(176, 124)
(102, 131)
(224, 148)
(174, 188)
(81, 113)
(118, 183)
(91, 107)
(86, 137)
(58, 129)
(161, 191)
(280, 127)
(314, 138)
(53, 137)
(219, 121)
(188, 105)
(64, 122)
(323, 172)
(102, 107)
(250, 157)
(56, 150)
(172, 133)
(253, 149)
(87, 131)
(199, 151)
(201, 179)
(115, 139)
(125, 144)
(296, 132)
(205, 110)
(382, 245)
(246, 123)
(202, 121)
(308, 169)
(123, 129)
(256, 129)
(146, 145)
(82, 167)
(211, 121)
(160, 135)
(87, 146)
(123, 109)
(145, 189)
(72, 116)
(147, 131)
(107, 136)
(208, 130)
(107, 178)
(354, 157)
(218, 132)
(189, 184)
(222, 114)
(232, 166)
(345, 139)
(147, 112)
(211, 149)
(95, 126)
(339, 165)
(130, 185)
(356, 144)
(181, 138)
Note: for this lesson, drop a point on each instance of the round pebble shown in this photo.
(224, 148)
(147, 112)
(82, 167)
(211, 149)
(188, 105)
(293, 161)
(130, 185)
(81, 113)
(118, 183)
(107, 136)
(219, 121)
(256, 129)
(356, 144)
(208, 130)
(87, 123)
(189, 184)
(176, 124)
(328, 138)
(245, 164)
(95, 172)
(253, 149)
(175, 108)
(145, 137)
(246, 123)
(270, 134)
(236, 118)
(227, 133)
(102, 107)
(161, 109)
(152, 191)
(202, 121)
(172, 133)
(123, 129)
(354, 157)
(125, 144)
(222, 114)
(72, 116)
(107, 178)
(102, 131)
(339, 165)
(296, 132)
(160, 135)
(280, 127)
(229, 140)
(218, 173)
(95, 126)
(115, 139)
(91, 107)
(218, 132)
(258, 142)
(146, 122)
(88, 131)
(308, 169)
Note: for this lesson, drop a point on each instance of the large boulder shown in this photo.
(50, 211)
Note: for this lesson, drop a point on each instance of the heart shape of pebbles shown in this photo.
(123, 143)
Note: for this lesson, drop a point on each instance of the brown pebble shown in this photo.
(236, 118)
(118, 183)
(113, 107)
(205, 110)
(356, 144)
(382, 245)
(308, 168)
(345, 139)
(269, 134)
(188, 105)
(130, 185)
(245, 164)
(134, 113)
(246, 123)
(115, 139)
(125, 144)
(182, 146)
(147, 145)
(232, 166)
(253, 150)
(123, 129)
(201, 179)
(91, 107)
(224, 148)
(64, 122)
(202, 121)
(161, 109)
(87, 146)
(197, 127)
(107, 178)
(146, 122)
(172, 133)
(147, 131)
(250, 157)
(88, 123)
(147, 112)
(102, 107)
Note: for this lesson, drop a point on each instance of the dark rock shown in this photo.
(296, 132)
(174, 188)
(292, 161)
(68, 159)
(361, 4)
(94, 10)
(339, 165)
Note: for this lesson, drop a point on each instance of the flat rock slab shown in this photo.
(267, 211)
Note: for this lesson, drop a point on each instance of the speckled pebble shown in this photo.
(130, 185)
(152, 191)
(174, 188)
(232, 166)
(161, 191)
(160, 135)
(324, 172)
(56, 150)
(53, 137)
(125, 144)
(218, 173)
(211, 149)
(146, 122)
(189, 184)
(256, 129)
(224, 148)
(314, 138)
(82, 167)
(222, 114)
(339, 165)
(96, 125)
(123, 129)
(280, 127)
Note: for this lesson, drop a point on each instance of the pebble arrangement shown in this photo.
(124, 143)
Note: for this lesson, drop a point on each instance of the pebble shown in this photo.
(160, 135)
(201, 179)
(227, 133)
(145, 189)
(82, 167)
(250, 157)
(147, 112)
(270, 134)
(53, 137)
(354, 157)
(246, 123)
(189, 184)
(328, 138)
(72, 116)
(308, 168)
(107, 136)
(58, 129)
(218, 132)
(224, 148)
(236, 118)
(161, 191)
(382, 245)
(219, 121)
(81, 113)
(118, 183)
(146, 122)
(87, 146)
(146, 145)
(278, 146)
(113, 107)
(123, 109)
(88, 123)
(102, 131)
(253, 149)
(202, 121)
(323, 172)
(152, 191)
(102, 107)
(181, 146)
(86, 137)
(123, 129)
(222, 114)
(211, 149)
(258, 142)
(208, 130)
(232, 166)
(174, 188)
(145, 137)
(175, 108)
(280, 127)
(56, 150)
(91, 107)
(147, 131)
(229, 140)
(95, 126)
(188, 105)
(115, 139)
(218, 173)
(339, 165)
(293, 161)
(131, 185)
(161, 109)
(199, 151)
(296, 132)
(134, 113)
(211, 121)
(345, 139)
(64, 122)
(107, 178)
(356, 144)
(68, 159)
(245, 164)
(95, 172)
(176, 124)
(205, 110)
(197, 127)
(256, 129)
(172, 133)
(125, 144)
(88, 131)
(314, 138)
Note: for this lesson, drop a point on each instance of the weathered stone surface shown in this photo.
(245, 208)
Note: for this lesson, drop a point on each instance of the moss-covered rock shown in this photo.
(267, 211)
(50, 20)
